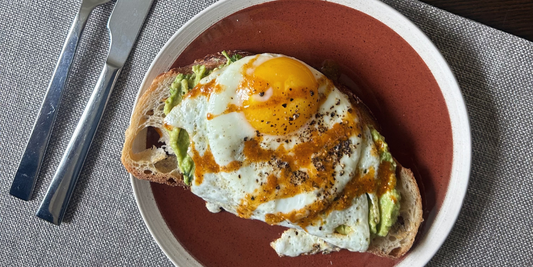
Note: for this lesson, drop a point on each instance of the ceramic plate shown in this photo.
(386, 60)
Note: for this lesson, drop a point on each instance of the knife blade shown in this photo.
(124, 26)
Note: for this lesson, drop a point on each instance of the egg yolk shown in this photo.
(279, 96)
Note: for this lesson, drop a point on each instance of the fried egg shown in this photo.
(273, 139)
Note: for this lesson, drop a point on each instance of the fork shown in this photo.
(32, 159)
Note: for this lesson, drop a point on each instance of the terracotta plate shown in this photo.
(386, 60)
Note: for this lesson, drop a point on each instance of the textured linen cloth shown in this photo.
(103, 226)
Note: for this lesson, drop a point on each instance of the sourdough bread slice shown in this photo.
(149, 158)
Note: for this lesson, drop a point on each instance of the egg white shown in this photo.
(224, 135)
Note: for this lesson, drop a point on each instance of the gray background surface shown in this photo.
(103, 225)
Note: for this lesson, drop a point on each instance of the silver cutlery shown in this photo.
(124, 26)
(32, 159)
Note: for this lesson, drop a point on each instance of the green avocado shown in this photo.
(384, 212)
(179, 142)
(389, 207)
(181, 85)
(179, 139)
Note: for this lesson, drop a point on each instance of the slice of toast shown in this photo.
(146, 156)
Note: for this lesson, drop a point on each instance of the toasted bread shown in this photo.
(158, 163)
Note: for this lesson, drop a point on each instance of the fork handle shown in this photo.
(57, 197)
(31, 161)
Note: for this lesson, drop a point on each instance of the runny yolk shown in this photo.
(279, 96)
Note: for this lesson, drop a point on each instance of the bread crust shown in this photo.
(158, 164)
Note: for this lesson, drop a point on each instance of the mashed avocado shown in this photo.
(384, 212)
(179, 139)
(389, 206)
(182, 84)
(179, 142)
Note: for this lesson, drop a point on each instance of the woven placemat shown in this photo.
(103, 225)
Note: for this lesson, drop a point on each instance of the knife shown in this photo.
(124, 25)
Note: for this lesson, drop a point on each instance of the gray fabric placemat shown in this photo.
(103, 226)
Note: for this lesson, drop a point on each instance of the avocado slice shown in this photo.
(179, 139)
(179, 142)
(389, 201)
(389, 206)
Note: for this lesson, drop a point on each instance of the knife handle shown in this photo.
(31, 161)
(57, 197)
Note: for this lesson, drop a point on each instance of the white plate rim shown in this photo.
(443, 222)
